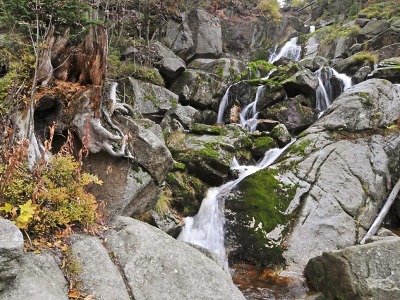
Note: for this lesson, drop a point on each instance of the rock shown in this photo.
(149, 99)
(313, 64)
(38, 278)
(198, 89)
(11, 250)
(361, 272)
(303, 82)
(388, 51)
(213, 256)
(343, 44)
(156, 265)
(281, 135)
(145, 142)
(388, 69)
(328, 186)
(127, 188)
(296, 113)
(170, 222)
(208, 151)
(228, 69)
(98, 275)
(186, 115)
(361, 22)
(395, 24)
(354, 63)
(153, 127)
(178, 36)
(361, 74)
(372, 29)
(388, 37)
(261, 145)
(171, 66)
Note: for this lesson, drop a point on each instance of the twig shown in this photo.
(385, 209)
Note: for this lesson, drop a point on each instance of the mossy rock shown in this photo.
(262, 145)
(198, 128)
(258, 69)
(259, 222)
(187, 192)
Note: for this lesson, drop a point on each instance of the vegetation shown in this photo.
(52, 196)
(365, 57)
(270, 8)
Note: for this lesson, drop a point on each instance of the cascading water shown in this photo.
(312, 28)
(206, 229)
(222, 107)
(290, 50)
(248, 115)
(324, 92)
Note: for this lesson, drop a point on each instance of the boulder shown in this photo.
(361, 22)
(171, 66)
(295, 113)
(313, 64)
(186, 115)
(363, 272)
(198, 89)
(303, 82)
(11, 250)
(328, 186)
(149, 99)
(156, 265)
(388, 69)
(353, 64)
(208, 151)
(361, 74)
(98, 274)
(261, 145)
(392, 50)
(388, 37)
(281, 134)
(178, 36)
(372, 29)
(39, 278)
(127, 188)
(228, 69)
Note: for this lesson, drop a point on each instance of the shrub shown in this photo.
(50, 197)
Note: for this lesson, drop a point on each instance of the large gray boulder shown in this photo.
(171, 66)
(372, 29)
(303, 82)
(198, 35)
(157, 266)
(363, 272)
(149, 99)
(38, 278)
(127, 188)
(388, 69)
(199, 89)
(326, 190)
(11, 250)
(97, 273)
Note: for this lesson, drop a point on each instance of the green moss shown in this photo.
(209, 151)
(382, 10)
(259, 68)
(365, 57)
(300, 149)
(198, 128)
(265, 200)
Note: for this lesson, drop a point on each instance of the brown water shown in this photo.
(256, 284)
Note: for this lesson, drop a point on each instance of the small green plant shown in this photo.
(365, 57)
(164, 202)
(52, 196)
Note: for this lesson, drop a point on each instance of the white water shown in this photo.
(222, 107)
(290, 50)
(249, 114)
(324, 93)
(312, 28)
(206, 229)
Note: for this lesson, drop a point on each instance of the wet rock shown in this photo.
(261, 145)
(170, 222)
(11, 250)
(98, 275)
(296, 113)
(281, 134)
(156, 265)
(208, 151)
(368, 271)
(313, 64)
(303, 82)
(38, 278)
(171, 66)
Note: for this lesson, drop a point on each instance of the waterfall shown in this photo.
(206, 229)
(248, 115)
(222, 107)
(289, 50)
(324, 93)
(312, 28)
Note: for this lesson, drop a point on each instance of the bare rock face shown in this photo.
(171, 66)
(11, 250)
(361, 272)
(156, 266)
